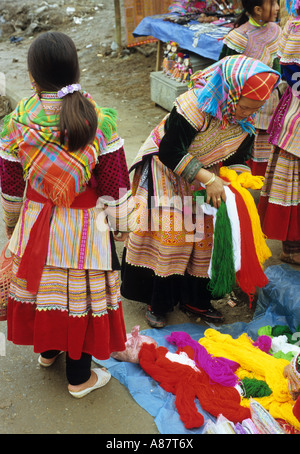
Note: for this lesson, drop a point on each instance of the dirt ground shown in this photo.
(33, 400)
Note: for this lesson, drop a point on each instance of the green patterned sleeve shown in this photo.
(227, 52)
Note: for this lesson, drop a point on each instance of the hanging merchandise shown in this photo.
(186, 6)
(180, 7)
(239, 246)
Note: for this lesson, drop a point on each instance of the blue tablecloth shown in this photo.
(188, 36)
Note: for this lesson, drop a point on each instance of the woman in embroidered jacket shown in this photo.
(280, 196)
(64, 293)
(257, 35)
(164, 263)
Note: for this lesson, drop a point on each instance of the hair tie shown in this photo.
(68, 90)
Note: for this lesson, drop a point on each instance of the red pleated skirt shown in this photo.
(74, 310)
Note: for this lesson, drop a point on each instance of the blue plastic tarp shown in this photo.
(207, 45)
(278, 304)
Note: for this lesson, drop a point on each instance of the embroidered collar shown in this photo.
(256, 24)
(49, 95)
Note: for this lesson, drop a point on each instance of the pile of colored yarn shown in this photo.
(283, 342)
(220, 370)
(256, 363)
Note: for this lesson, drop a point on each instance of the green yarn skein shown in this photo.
(282, 330)
(255, 388)
(223, 277)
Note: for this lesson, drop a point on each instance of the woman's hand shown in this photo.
(120, 236)
(214, 187)
(215, 192)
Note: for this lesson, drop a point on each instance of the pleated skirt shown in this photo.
(74, 310)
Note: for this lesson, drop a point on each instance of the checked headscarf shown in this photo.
(219, 87)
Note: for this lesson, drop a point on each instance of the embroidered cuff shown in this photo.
(188, 168)
(11, 209)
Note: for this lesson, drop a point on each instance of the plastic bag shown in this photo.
(133, 346)
(264, 422)
(221, 426)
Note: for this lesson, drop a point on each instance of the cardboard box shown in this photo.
(165, 90)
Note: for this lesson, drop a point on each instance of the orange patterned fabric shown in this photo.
(260, 86)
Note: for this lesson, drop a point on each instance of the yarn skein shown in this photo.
(237, 182)
(220, 370)
(223, 278)
(255, 388)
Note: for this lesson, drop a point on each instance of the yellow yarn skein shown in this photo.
(240, 183)
(249, 181)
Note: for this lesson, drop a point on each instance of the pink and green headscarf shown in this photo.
(220, 86)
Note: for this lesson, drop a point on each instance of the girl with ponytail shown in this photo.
(257, 35)
(65, 294)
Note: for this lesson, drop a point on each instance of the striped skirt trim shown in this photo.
(167, 252)
(282, 182)
(279, 205)
(71, 290)
(260, 153)
(261, 147)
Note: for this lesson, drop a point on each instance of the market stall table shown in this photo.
(204, 39)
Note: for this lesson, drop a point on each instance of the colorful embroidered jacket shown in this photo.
(79, 238)
(252, 40)
(284, 128)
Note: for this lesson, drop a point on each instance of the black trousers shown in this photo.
(77, 371)
(291, 247)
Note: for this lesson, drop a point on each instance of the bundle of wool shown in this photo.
(238, 182)
(222, 269)
(220, 370)
(255, 388)
(187, 384)
(264, 343)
